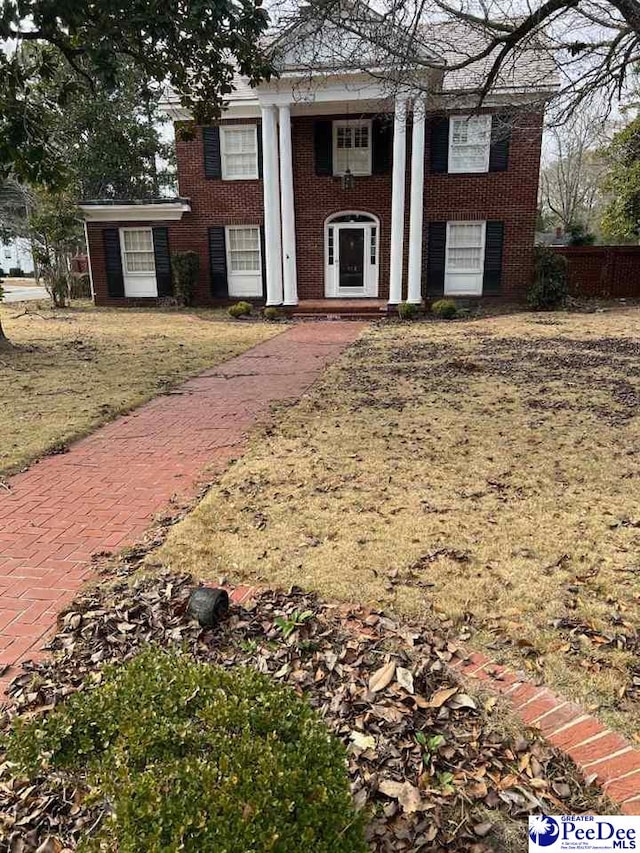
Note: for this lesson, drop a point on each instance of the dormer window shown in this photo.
(469, 143)
(352, 147)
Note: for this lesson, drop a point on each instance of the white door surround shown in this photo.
(351, 255)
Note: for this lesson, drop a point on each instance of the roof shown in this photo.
(355, 37)
(134, 210)
(530, 67)
(359, 40)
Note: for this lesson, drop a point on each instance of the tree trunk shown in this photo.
(4, 340)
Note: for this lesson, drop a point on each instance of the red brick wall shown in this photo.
(604, 271)
(509, 196)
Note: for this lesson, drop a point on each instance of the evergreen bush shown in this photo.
(193, 757)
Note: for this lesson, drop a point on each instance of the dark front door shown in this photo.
(351, 257)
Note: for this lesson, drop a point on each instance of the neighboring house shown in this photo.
(16, 254)
(331, 183)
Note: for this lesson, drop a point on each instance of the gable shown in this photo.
(351, 37)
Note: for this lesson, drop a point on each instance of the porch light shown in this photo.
(348, 179)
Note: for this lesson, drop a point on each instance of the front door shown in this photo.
(351, 264)
(351, 260)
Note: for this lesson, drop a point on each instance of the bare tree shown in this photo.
(583, 48)
(573, 169)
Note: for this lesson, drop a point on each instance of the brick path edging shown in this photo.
(602, 755)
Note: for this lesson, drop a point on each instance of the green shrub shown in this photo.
(550, 287)
(185, 267)
(194, 757)
(579, 235)
(240, 309)
(15, 271)
(271, 313)
(408, 311)
(445, 309)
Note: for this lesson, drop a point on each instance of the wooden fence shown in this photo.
(610, 272)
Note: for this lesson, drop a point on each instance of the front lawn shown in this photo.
(485, 471)
(71, 370)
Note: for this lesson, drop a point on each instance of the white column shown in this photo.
(289, 274)
(272, 225)
(414, 286)
(397, 200)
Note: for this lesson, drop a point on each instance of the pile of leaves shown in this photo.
(435, 767)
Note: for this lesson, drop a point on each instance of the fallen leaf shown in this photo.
(407, 794)
(382, 677)
(461, 700)
(404, 679)
(440, 696)
(362, 741)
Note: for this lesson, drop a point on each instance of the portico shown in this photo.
(354, 273)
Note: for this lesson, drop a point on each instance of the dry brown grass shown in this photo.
(71, 370)
(488, 470)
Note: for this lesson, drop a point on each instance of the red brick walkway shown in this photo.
(103, 493)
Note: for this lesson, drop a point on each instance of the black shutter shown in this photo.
(323, 147)
(436, 251)
(492, 280)
(259, 133)
(439, 145)
(263, 262)
(382, 139)
(211, 146)
(163, 261)
(113, 262)
(218, 262)
(500, 140)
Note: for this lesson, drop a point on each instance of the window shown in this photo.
(244, 250)
(239, 152)
(352, 147)
(465, 257)
(137, 250)
(469, 143)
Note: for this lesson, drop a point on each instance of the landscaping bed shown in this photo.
(483, 471)
(434, 766)
(71, 370)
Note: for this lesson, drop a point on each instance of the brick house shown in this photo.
(328, 183)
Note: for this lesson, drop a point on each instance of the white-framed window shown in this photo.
(469, 143)
(352, 147)
(137, 251)
(243, 249)
(244, 261)
(239, 152)
(464, 262)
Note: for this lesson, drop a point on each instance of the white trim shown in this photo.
(86, 239)
(487, 152)
(371, 272)
(474, 277)
(169, 211)
(354, 123)
(231, 128)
